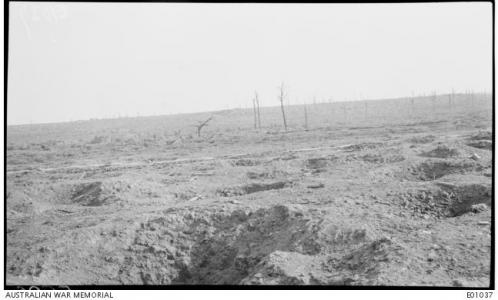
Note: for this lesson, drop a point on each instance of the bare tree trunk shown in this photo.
(259, 115)
(434, 96)
(412, 103)
(257, 108)
(452, 97)
(281, 98)
(255, 114)
(472, 98)
(202, 124)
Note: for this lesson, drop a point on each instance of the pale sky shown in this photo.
(73, 61)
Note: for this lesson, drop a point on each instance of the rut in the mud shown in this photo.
(252, 188)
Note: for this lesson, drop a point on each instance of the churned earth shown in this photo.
(367, 202)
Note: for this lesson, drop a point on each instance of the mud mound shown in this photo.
(422, 139)
(93, 194)
(185, 195)
(362, 146)
(46, 196)
(359, 267)
(252, 188)
(366, 261)
(38, 198)
(444, 200)
(481, 144)
(125, 190)
(282, 268)
(425, 203)
(19, 204)
(441, 151)
(435, 169)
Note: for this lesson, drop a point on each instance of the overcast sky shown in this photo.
(70, 61)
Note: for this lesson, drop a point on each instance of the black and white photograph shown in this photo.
(159, 145)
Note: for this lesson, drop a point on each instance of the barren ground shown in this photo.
(389, 194)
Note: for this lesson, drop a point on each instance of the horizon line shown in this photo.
(423, 95)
